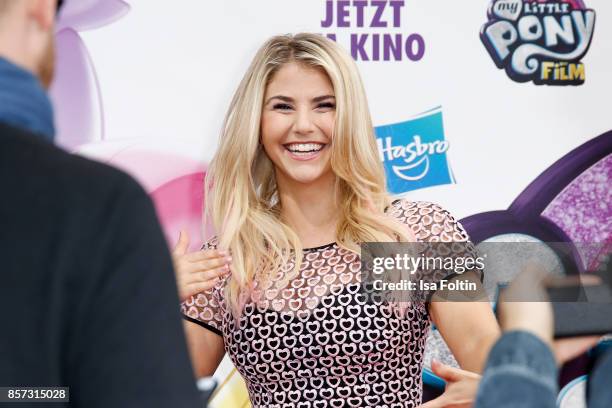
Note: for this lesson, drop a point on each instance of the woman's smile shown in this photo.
(304, 151)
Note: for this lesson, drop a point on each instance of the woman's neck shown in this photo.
(310, 209)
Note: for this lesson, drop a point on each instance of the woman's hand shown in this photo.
(197, 271)
(461, 387)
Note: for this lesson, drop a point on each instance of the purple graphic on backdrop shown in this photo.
(384, 39)
(583, 210)
(569, 202)
(79, 113)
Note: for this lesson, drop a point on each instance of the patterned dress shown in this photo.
(314, 341)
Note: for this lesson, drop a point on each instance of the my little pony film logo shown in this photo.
(414, 153)
(540, 40)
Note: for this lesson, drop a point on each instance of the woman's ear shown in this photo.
(43, 12)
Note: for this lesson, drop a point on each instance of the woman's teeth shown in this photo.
(304, 147)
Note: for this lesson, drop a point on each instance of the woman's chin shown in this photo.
(306, 178)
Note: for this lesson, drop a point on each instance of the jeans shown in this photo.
(600, 383)
(521, 372)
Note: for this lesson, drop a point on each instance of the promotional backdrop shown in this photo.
(474, 102)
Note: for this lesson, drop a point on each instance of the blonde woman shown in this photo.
(295, 186)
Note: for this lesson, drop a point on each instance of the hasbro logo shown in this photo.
(414, 153)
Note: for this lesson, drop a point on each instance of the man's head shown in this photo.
(26, 35)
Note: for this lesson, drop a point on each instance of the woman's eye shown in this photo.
(326, 105)
(282, 106)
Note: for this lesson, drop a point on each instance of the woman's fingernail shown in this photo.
(228, 259)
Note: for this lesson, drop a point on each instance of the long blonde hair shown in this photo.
(241, 196)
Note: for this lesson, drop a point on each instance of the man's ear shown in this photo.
(43, 12)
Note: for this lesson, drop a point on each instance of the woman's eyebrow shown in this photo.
(322, 98)
(290, 100)
(281, 97)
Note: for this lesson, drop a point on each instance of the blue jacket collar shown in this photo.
(23, 101)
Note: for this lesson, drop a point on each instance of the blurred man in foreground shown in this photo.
(87, 292)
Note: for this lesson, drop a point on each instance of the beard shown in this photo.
(46, 69)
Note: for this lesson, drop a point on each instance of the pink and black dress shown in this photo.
(315, 342)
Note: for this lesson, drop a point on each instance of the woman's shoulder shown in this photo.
(414, 211)
(428, 221)
(422, 206)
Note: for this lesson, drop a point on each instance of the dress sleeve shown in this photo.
(434, 225)
(429, 222)
(205, 308)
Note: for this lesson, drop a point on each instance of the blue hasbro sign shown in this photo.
(414, 153)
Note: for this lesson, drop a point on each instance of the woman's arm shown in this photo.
(469, 328)
(206, 349)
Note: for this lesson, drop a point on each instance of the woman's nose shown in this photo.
(303, 122)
